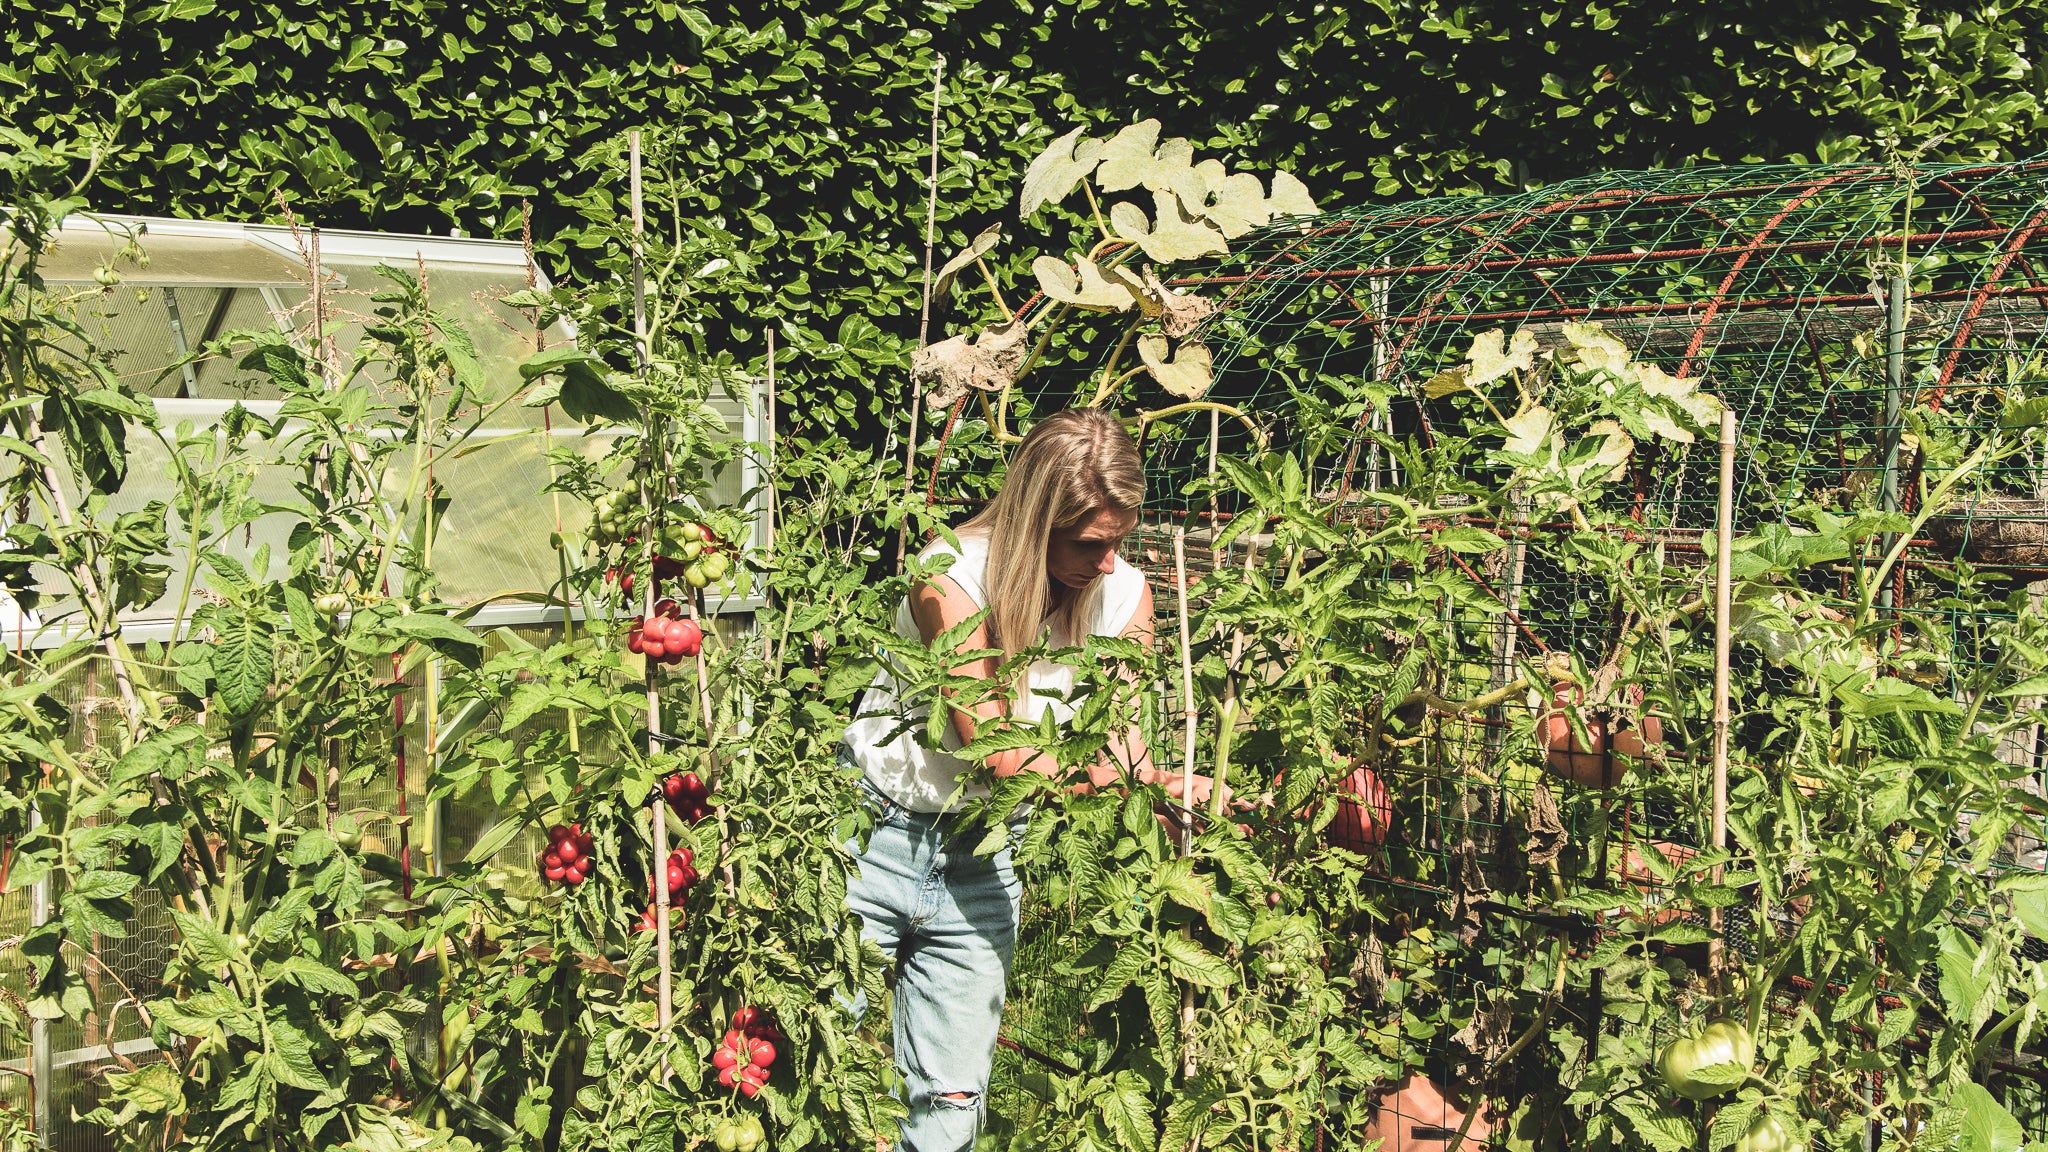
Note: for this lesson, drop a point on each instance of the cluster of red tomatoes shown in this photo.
(746, 1052)
(688, 796)
(568, 858)
(665, 636)
(682, 876)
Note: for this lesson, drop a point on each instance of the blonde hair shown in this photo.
(1071, 466)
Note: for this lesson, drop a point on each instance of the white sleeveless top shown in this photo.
(924, 779)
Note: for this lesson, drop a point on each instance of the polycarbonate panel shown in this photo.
(81, 248)
(472, 297)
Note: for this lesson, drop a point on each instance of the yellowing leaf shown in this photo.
(1097, 292)
(1056, 170)
(1704, 408)
(1239, 205)
(1531, 431)
(1615, 449)
(1444, 384)
(1134, 158)
(1128, 221)
(1187, 374)
(1594, 349)
(989, 238)
(1494, 356)
(1290, 197)
(1177, 237)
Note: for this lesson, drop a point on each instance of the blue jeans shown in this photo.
(949, 919)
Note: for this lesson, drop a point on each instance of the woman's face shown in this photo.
(1078, 554)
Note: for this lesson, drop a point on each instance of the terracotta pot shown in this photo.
(1361, 824)
(1614, 744)
(1413, 1116)
(1636, 870)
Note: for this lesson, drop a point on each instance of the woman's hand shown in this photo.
(1203, 792)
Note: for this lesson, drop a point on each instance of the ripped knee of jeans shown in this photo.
(962, 1100)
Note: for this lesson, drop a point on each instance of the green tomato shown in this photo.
(752, 1136)
(692, 549)
(1720, 1042)
(693, 531)
(726, 1136)
(1766, 1134)
(694, 574)
(716, 566)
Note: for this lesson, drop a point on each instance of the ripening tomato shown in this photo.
(1766, 1134)
(1720, 1042)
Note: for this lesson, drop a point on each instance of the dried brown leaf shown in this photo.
(987, 361)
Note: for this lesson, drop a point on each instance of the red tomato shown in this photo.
(655, 630)
(654, 650)
(635, 643)
(761, 1052)
(556, 833)
(746, 1018)
(552, 858)
(689, 878)
(576, 830)
(681, 856)
(686, 637)
(724, 1058)
(567, 851)
(584, 867)
(735, 1040)
(672, 788)
(725, 1076)
(751, 1080)
(693, 787)
(554, 872)
(675, 876)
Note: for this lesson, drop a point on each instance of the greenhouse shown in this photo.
(152, 296)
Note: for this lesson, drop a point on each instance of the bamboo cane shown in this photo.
(1724, 540)
(664, 993)
(1187, 760)
(1227, 714)
(924, 319)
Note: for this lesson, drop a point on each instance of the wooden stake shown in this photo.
(1724, 542)
(1227, 718)
(924, 319)
(664, 988)
(1187, 762)
(768, 464)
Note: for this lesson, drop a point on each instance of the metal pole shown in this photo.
(1894, 393)
(1724, 542)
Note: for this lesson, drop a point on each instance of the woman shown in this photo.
(1042, 558)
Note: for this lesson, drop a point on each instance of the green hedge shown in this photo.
(803, 123)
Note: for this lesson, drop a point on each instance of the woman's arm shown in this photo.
(938, 604)
(1129, 749)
